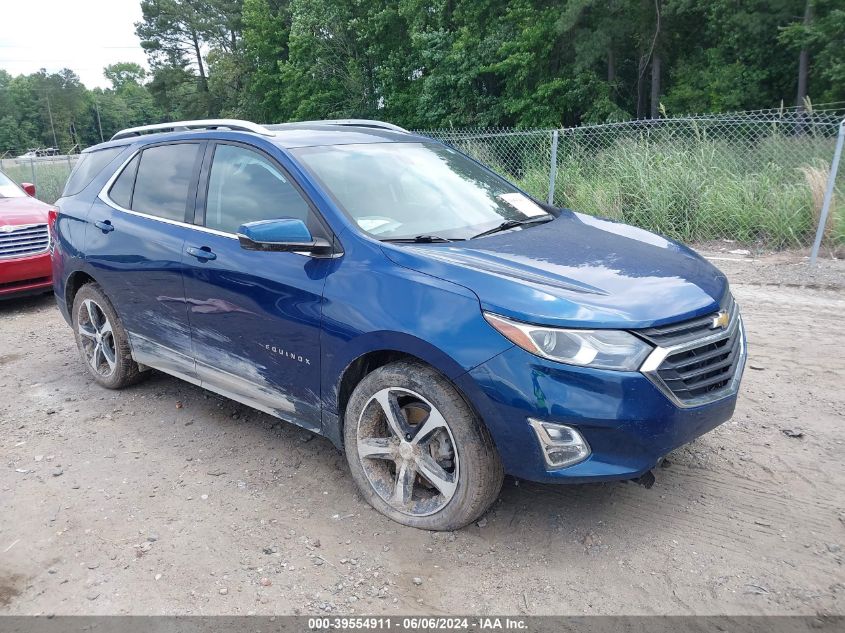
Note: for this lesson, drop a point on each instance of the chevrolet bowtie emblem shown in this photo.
(720, 320)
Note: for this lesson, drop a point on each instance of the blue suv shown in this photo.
(436, 323)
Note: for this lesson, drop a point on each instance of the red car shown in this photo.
(24, 241)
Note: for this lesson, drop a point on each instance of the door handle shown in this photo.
(104, 225)
(201, 253)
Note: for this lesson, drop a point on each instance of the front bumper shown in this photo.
(627, 421)
(25, 275)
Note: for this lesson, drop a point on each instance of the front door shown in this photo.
(255, 316)
(134, 244)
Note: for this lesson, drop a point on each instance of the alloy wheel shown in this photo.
(96, 338)
(407, 451)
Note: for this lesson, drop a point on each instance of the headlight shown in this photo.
(602, 349)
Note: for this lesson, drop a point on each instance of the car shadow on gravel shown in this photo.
(24, 305)
(311, 460)
(239, 437)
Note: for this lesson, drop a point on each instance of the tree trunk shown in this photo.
(200, 64)
(655, 86)
(804, 60)
(656, 62)
(641, 98)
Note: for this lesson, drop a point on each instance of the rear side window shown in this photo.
(121, 190)
(87, 167)
(163, 180)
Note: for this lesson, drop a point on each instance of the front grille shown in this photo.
(687, 331)
(694, 362)
(26, 240)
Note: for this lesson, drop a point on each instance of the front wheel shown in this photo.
(417, 452)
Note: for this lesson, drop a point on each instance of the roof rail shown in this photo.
(204, 124)
(380, 125)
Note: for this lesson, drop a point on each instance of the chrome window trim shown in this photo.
(104, 197)
(653, 361)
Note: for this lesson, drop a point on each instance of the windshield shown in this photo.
(8, 189)
(405, 190)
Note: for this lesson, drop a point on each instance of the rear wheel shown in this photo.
(417, 451)
(101, 339)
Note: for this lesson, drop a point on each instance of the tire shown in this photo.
(442, 472)
(101, 339)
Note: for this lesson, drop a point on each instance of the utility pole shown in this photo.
(50, 112)
(99, 124)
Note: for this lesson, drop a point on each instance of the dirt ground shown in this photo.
(166, 499)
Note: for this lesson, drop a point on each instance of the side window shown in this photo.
(243, 186)
(163, 180)
(121, 190)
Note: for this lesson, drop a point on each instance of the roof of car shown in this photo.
(314, 135)
(286, 135)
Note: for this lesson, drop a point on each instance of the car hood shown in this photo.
(576, 271)
(14, 211)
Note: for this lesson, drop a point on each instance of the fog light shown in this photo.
(562, 445)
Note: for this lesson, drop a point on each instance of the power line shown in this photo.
(89, 47)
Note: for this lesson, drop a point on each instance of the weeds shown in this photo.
(699, 191)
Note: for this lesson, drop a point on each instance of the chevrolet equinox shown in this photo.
(436, 323)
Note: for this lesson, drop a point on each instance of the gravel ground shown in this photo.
(166, 499)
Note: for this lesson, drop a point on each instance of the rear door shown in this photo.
(134, 244)
(255, 316)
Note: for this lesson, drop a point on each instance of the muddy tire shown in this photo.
(101, 339)
(417, 451)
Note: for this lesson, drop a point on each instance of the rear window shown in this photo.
(87, 167)
(164, 179)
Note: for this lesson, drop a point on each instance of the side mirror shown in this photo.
(29, 188)
(284, 235)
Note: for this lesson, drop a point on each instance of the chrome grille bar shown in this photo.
(692, 364)
(23, 240)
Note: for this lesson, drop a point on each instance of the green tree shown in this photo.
(122, 74)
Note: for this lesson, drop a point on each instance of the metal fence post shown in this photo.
(553, 169)
(828, 194)
(32, 167)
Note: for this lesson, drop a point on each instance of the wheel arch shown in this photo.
(370, 360)
(359, 368)
(75, 281)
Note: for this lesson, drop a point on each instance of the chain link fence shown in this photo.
(757, 179)
(754, 178)
(47, 173)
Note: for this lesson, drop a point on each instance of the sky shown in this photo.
(83, 35)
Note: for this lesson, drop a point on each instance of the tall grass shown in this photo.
(756, 186)
(768, 195)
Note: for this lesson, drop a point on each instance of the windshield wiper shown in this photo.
(420, 239)
(510, 224)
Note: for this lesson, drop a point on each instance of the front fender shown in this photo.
(372, 304)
